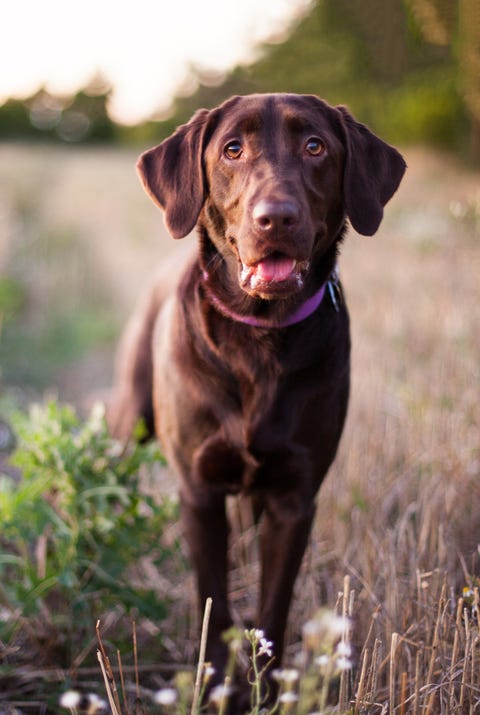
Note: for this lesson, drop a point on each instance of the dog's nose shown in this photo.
(275, 215)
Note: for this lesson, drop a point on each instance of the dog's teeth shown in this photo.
(246, 273)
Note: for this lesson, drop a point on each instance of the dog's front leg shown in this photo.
(283, 539)
(206, 531)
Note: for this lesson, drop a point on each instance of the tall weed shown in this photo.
(74, 525)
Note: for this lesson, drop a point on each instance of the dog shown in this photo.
(239, 357)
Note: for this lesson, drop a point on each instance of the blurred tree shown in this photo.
(14, 120)
(469, 61)
(410, 69)
(369, 54)
(83, 117)
(437, 18)
(383, 28)
(456, 24)
(92, 103)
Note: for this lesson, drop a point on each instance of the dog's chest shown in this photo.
(267, 379)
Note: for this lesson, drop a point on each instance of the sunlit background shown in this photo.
(99, 70)
(145, 49)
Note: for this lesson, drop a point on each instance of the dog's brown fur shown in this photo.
(240, 408)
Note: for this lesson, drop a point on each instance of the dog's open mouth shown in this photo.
(274, 274)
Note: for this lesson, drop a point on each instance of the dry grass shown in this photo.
(398, 513)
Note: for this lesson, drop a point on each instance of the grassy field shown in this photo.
(398, 515)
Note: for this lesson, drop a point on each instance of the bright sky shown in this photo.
(144, 48)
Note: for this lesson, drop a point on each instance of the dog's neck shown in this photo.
(229, 300)
(305, 310)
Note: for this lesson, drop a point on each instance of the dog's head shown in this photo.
(272, 178)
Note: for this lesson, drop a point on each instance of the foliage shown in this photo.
(371, 56)
(409, 69)
(82, 117)
(456, 26)
(53, 301)
(74, 525)
(65, 338)
(11, 298)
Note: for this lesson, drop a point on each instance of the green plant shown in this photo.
(11, 298)
(75, 525)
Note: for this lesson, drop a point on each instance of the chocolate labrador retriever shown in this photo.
(239, 358)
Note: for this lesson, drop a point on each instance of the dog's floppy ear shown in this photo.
(172, 175)
(373, 171)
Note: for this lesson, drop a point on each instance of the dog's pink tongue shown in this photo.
(277, 268)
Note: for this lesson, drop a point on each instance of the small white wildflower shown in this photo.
(344, 663)
(336, 625)
(208, 672)
(300, 659)
(219, 693)
(258, 634)
(286, 675)
(166, 696)
(290, 675)
(288, 697)
(322, 660)
(343, 649)
(73, 700)
(265, 647)
(96, 704)
(311, 628)
(6, 615)
(326, 627)
(70, 699)
(457, 209)
(97, 416)
(235, 645)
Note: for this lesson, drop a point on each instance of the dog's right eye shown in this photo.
(233, 150)
(315, 146)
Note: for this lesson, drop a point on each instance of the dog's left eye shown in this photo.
(314, 146)
(233, 150)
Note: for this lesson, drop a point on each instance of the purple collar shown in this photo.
(301, 313)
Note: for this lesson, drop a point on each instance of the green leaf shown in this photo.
(80, 498)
